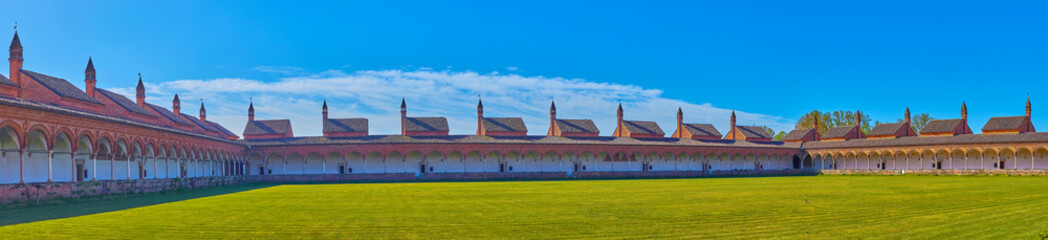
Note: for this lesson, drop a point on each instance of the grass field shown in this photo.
(848, 207)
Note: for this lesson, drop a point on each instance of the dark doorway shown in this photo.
(883, 165)
(341, 169)
(80, 172)
(502, 167)
(1001, 164)
(576, 167)
(796, 162)
(422, 168)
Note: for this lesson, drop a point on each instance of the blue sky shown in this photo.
(770, 60)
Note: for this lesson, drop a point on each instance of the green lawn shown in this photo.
(888, 207)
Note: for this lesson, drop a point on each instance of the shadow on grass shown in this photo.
(10, 215)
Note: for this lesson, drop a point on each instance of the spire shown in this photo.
(403, 117)
(16, 44)
(89, 78)
(907, 115)
(964, 111)
(552, 108)
(480, 116)
(480, 105)
(251, 110)
(176, 105)
(732, 129)
(203, 113)
(15, 60)
(858, 119)
(140, 91)
(403, 105)
(619, 111)
(1028, 105)
(324, 109)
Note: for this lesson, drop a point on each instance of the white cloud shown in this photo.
(376, 95)
(280, 70)
(512, 68)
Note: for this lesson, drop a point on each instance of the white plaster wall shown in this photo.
(9, 167)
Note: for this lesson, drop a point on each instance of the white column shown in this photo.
(94, 167)
(128, 167)
(50, 154)
(154, 167)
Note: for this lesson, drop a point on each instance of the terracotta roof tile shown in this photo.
(60, 86)
(421, 124)
(577, 126)
(504, 125)
(797, 134)
(753, 132)
(196, 121)
(221, 129)
(475, 139)
(1004, 123)
(124, 102)
(643, 127)
(941, 126)
(267, 127)
(168, 114)
(702, 129)
(885, 129)
(933, 141)
(5, 80)
(837, 132)
(346, 125)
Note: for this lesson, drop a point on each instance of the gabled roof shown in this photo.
(345, 125)
(5, 80)
(168, 114)
(643, 127)
(504, 125)
(837, 132)
(425, 124)
(124, 102)
(702, 129)
(60, 86)
(1004, 123)
(196, 121)
(941, 126)
(885, 129)
(797, 134)
(221, 129)
(267, 127)
(753, 131)
(577, 126)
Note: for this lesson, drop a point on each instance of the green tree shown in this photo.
(831, 119)
(778, 137)
(919, 121)
(771, 132)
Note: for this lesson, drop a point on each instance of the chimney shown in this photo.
(16, 61)
(480, 116)
(680, 123)
(176, 106)
(1027, 106)
(403, 116)
(964, 112)
(552, 117)
(908, 126)
(618, 114)
(89, 77)
(140, 92)
(858, 119)
(203, 113)
(325, 110)
(732, 129)
(251, 111)
(815, 126)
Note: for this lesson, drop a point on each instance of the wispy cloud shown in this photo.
(376, 94)
(279, 70)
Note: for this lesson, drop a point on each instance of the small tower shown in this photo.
(16, 60)
(176, 106)
(403, 116)
(815, 125)
(964, 112)
(203, 113)
(552, 118)
(251, 111)
(325, 110)
(907, 122)
(480, 116)
(1028, 107)
(680, 118)
(140, 92)
(858, 119)
(89, 77)
(732, 129)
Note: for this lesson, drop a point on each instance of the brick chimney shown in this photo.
(251, 112)
(140, 92)
(203, 113)
(324, 110)
(480, 116)
(403, 116)
(16, 61)
(552, 117)
(176, 106)
(732, 129)
(89, 77)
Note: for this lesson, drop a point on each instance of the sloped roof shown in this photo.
(1004, 123)
(837, 132)
(221, 129)
(504, 125)
(643, 127)
(543, 140)
(702, 129)
(941, 126)
(346, 125)
(60, 86)
(5, 80)
(168, 114)
(425, 124)
(124, 102)
(196, 121)
(577, 126)
(1029, 137)
(267, 127)
(753, 132)
(885, 129)
(797, 134)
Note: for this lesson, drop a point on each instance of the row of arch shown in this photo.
(263, 163)
(1017, 158)
(41, 155)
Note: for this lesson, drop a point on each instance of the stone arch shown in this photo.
(396, 162)
(1024, 159)
(1007, 159)
(314, 163)
(273, 164)
(1040, 158)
